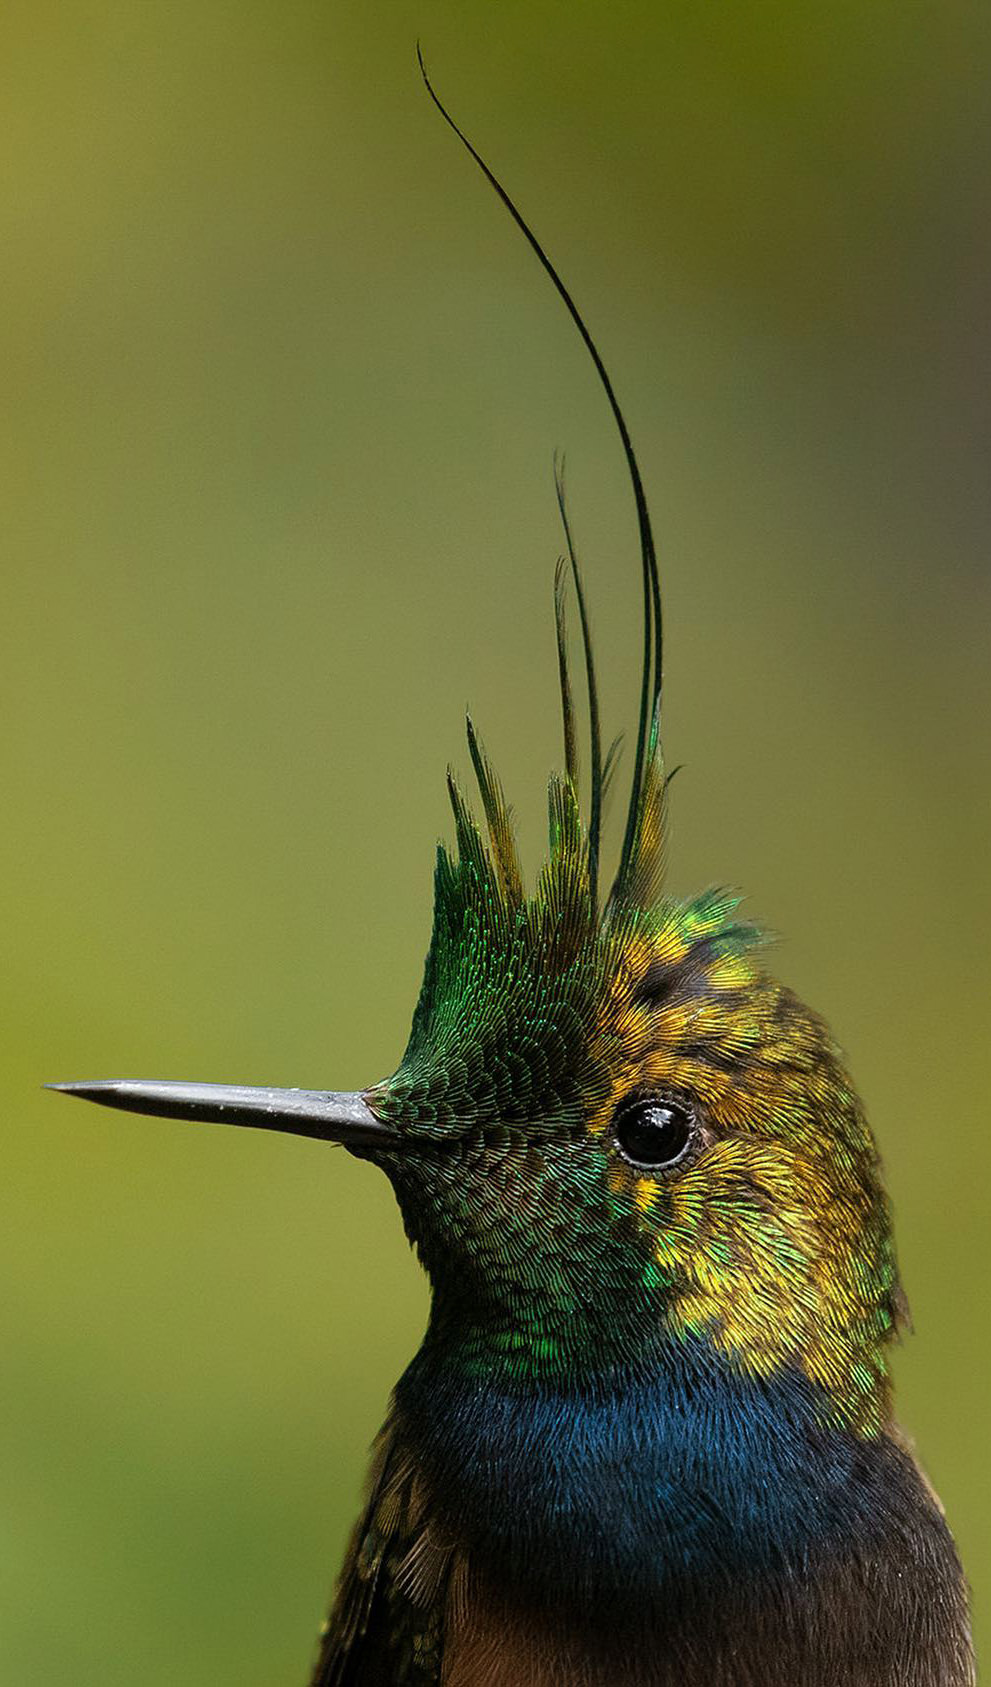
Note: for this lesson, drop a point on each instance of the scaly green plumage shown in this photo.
(775, 1243)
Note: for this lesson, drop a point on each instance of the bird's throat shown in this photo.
(675, 1470)
(688, 1502)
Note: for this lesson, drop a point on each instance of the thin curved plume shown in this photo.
(595, 807)
(564, 675)
(652, 668)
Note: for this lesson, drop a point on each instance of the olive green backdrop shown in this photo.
(280, 393)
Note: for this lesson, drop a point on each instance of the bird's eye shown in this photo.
(654, 1132)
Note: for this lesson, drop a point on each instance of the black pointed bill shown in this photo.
(330, 1115)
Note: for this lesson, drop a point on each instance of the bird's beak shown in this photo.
(331, 1115)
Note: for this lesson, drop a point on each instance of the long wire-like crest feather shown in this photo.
(595, 813)
(564, 675)
(650, 689)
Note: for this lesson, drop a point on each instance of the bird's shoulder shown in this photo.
(409, 1610)
(385, 1625)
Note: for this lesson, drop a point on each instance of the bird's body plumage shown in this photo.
(688, 1530)
(648, 1440)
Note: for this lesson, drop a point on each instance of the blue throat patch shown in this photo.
(640, 1488)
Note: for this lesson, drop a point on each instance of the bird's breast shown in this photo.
(693, 1525)
(631, 1485)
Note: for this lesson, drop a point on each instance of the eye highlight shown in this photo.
(654, 1132)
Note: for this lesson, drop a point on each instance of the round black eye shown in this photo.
(653, 1133)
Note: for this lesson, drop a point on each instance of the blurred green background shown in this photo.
(281, 389)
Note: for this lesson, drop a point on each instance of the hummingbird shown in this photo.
(648, 1438)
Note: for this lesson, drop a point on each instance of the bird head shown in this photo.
(612, 1134)
(616, 1133)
